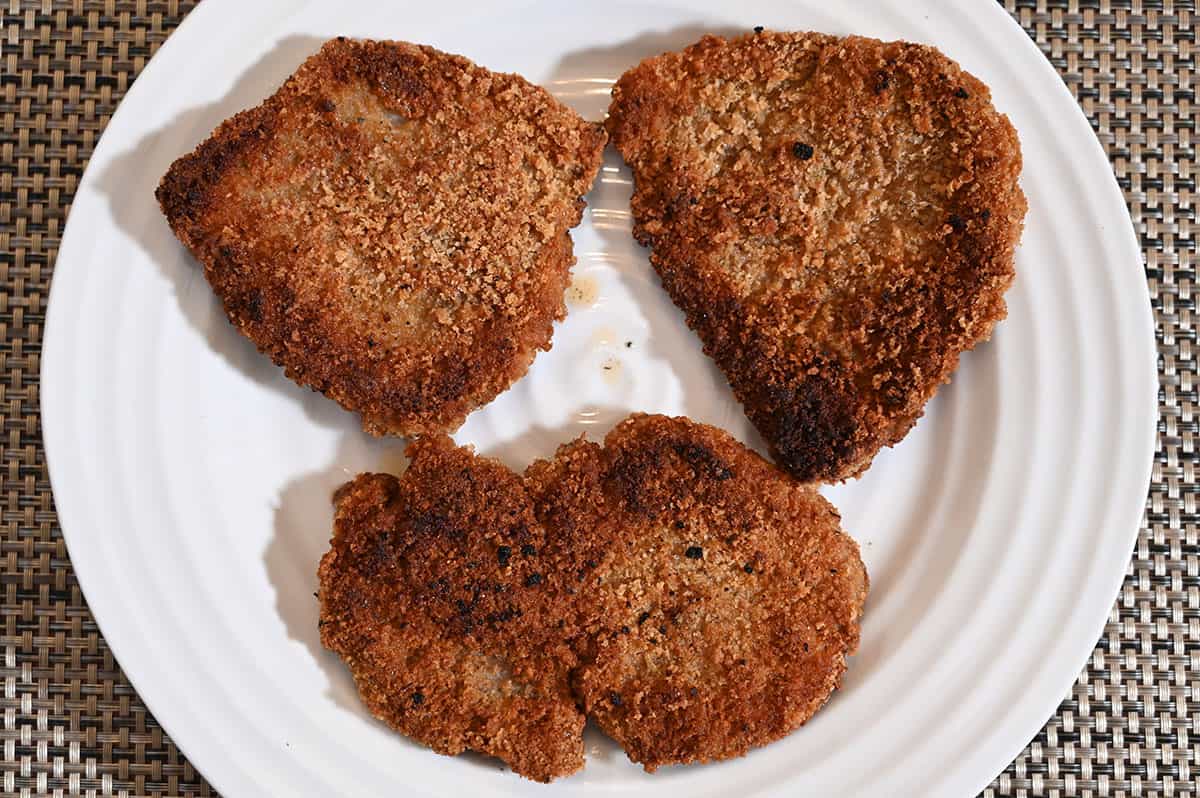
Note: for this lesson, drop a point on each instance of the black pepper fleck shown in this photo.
(327, 106)
(802, 151)
(679, 525)
(528, 550)
(758, 28)
(642, 618)
(629, 344)
(985, 215)
(748, 568)
(533, 580)
(418, 699)
(956, 222)
(961, 93)
(694, 553)
(503, 554)
(615, 698)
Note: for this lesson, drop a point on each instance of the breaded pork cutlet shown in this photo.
(433, 595)
(716, 597)
(835, 216)
(391, 227)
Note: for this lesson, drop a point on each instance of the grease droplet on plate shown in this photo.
(583, 291)
(611, 369)
(604, 336)
(393, 461)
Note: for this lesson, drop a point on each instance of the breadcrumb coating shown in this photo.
(717, 598)
(432, 594)
(835, 216)
(391, 227)
(692, 598)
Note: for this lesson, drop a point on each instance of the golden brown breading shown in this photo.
(716, 597)
(837, 219)
(391, 227)
(687, 594)
(433, 594)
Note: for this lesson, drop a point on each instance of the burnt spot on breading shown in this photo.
(810, 425)
(436, 523)
(254, 306)
(802, 150)
(703, 460)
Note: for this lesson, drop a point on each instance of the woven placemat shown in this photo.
(74, 726)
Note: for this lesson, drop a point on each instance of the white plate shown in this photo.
(193, 481)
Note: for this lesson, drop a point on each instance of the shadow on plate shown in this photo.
(964, 450)
(581, 79)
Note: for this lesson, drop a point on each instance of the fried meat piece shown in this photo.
(716, 598)
(835, 216)
(391, 227)
(434, 595)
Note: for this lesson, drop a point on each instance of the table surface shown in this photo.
(73, 725)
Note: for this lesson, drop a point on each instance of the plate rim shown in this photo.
(206, 15)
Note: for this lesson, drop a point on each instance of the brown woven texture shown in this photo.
(72, 724)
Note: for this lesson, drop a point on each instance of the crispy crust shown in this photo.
(835, 216)
(450, 641)
(391, 227)
(680, 658)
(717, 598)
